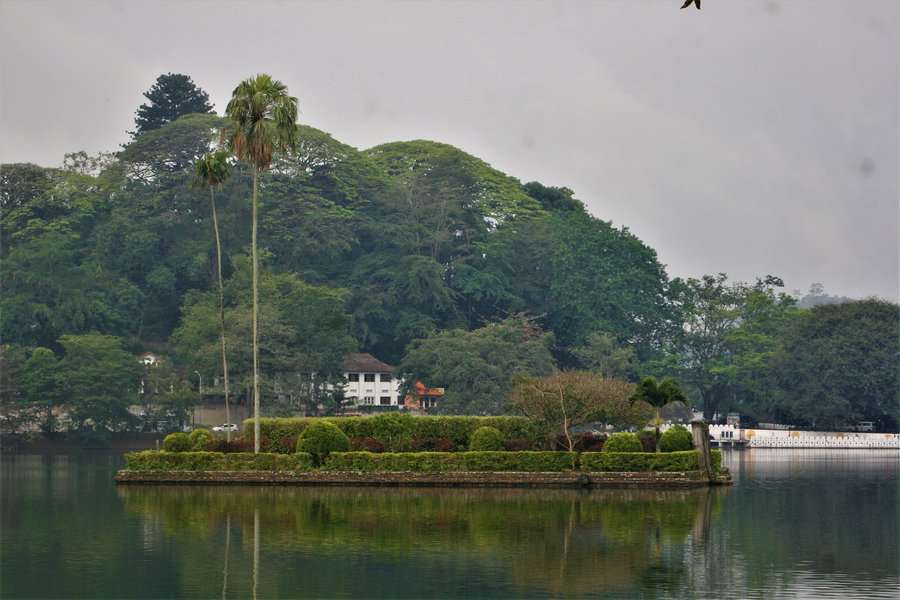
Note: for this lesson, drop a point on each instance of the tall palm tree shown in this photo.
(658, 395)
(264, 120)
(210, 171)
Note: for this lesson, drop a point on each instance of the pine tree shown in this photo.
(172, 96)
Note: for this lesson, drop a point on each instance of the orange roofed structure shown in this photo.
(423, 398)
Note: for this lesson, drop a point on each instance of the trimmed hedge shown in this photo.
(152, 460)
(486, 439)
(676, 439)
(177, 442)
(640, 461)
(623, 442)
(395, 431)
(433, 462)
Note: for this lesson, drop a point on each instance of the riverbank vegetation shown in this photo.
(417, 252)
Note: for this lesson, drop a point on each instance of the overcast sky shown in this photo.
(752, 137)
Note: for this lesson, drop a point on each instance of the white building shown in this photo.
(370, 382)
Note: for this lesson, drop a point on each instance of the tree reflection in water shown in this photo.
(557, 541)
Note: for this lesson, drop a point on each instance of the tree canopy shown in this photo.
(414, 251)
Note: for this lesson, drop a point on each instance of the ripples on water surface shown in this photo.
(798, 523)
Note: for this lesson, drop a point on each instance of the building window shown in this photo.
(369, 400)
(353, 377)
(386, 377)
(385, 400)
(370, 377)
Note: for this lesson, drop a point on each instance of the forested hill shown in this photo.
(415, 236)
(398, 250)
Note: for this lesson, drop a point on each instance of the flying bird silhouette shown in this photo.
(689, 2)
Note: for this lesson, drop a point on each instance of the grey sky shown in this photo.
(752, 137)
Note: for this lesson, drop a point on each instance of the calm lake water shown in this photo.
(809, 524)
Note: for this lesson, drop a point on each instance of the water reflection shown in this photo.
(796, 524)
(561, 542)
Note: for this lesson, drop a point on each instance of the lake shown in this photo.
(797, 523)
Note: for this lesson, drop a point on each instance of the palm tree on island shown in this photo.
(658, 395)
(210, 171)
(264, 120)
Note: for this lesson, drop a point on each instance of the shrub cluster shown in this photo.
(321, 439)
(434, 462)
(640, 461)
(676, 439)
(486, 439)
(177, 442)
(398, 432)
(623, 442)
(151, 460)
(201, 439)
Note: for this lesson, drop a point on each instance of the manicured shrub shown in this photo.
(486, 439)
(321, 438)
(639, 461)
(435, 462)
(151, 460)
(648, 439)
(622, 442)
(177, 442)
(201, 439)
(676, 439)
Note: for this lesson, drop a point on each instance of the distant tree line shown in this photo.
(417, 252)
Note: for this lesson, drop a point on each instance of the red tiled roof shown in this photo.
(362, 362)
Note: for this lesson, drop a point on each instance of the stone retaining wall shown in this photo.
(678, 479)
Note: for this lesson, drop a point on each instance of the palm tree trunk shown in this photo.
(212, 201)
(658, 422)
(255, 320)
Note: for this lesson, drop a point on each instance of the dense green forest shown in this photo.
(417, 252)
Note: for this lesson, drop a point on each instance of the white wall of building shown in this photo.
(383, 390)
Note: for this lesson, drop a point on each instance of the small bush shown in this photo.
(201, 439)
(648, 439)
(623, 442)
(151, 460)
(486, 439)
(321, 438)
(366, 444)
(640, 461)
(177, 442)
(437, 462)
(676, 439)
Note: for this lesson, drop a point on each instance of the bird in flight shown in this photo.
(689, 2)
